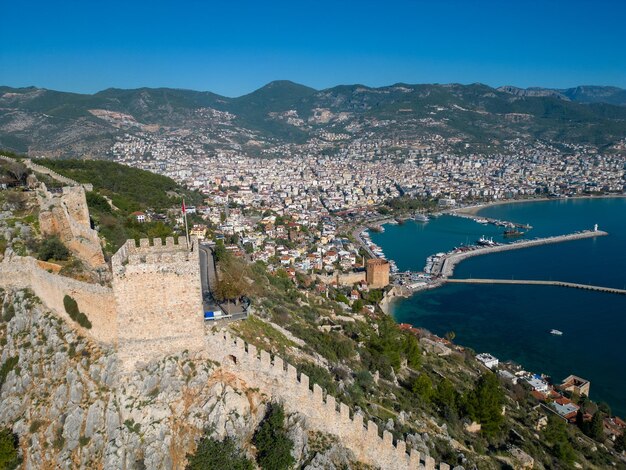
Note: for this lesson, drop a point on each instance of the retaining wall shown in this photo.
(322, 411)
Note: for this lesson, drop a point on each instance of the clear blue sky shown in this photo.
(233, 47)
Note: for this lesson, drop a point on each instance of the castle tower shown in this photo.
(66, 215)
(159, 300)
(377, 273)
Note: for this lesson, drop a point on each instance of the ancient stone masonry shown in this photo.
(159, 299)
(66, 215)
(96, 301)
(322, 411)
(51, 173)
(377, 273)
(153, 309)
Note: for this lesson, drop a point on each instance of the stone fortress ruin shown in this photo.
(65, 214)
(158, 297)
(154, 309)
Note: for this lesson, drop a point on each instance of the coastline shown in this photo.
(474, 210)
(406, 292)
(394, 308)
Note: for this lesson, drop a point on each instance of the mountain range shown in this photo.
(38, 121)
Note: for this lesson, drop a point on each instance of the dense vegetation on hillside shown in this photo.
(130, 189)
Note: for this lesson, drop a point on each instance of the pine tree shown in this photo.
(423, 387)
(484, 404)
(596, 429)
(620, 442)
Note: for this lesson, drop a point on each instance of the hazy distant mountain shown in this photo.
(54, 123)
(580, 94)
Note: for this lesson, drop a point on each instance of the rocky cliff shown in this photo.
(64, 398)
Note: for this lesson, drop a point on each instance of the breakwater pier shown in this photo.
(489, 220)
(573, 285)
(444, 266)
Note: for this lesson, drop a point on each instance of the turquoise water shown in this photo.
(513, 321)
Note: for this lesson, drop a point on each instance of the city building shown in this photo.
(575, 384)
(488, 360)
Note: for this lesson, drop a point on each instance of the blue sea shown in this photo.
(513, 321)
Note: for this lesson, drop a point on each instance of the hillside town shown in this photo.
(310, 179)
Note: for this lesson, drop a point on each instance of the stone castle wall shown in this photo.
(345, 279)
(153, 309)
(322, 411)
(66, 215)
(96, 301)
(54, 175)
(159, 300)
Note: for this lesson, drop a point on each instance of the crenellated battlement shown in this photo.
(159, 297)
(322, 410)
(154, 252)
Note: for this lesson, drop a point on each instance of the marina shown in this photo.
(446, 264)
(513, 320)
(488, 220)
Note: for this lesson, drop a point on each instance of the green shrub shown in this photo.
(8, 366)
(556, 435)
(95, 202)
(35, 425)
(9, 458)
(3, 245)
(271, 440)
(213, 454)
(52, 248)
(9, 312)
(71, 307)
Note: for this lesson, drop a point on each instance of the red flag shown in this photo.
(184, 209)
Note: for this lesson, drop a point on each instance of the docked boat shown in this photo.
(421, 218)
(556, 332)
(484, 241)
(482, 221)
(511, 233)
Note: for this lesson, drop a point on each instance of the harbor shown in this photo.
(487, 220)
(509, 317)
(444, 265)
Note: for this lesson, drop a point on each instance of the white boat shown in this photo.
(556, 332)
(482, 221)
(484, 241)
(421, 218)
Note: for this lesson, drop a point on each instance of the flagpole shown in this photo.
(186, 226)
